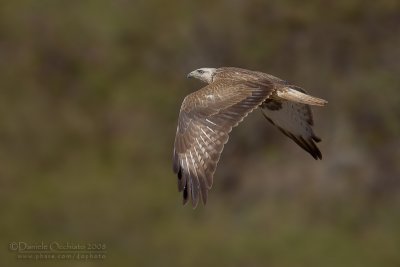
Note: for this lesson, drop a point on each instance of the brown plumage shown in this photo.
(208, 115)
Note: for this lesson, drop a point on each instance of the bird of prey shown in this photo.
(208, 115)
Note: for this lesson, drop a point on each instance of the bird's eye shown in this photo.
(200, 71)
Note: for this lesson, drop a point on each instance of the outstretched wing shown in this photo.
(205, 120)
(295, 121)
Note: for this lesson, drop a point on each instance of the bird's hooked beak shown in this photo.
(190, 75)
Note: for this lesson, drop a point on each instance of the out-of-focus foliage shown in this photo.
(90, 93)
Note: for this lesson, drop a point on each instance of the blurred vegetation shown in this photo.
(90, 94)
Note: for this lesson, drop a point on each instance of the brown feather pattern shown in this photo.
(294, 120)
(208, 115)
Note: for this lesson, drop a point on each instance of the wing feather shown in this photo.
(295, 121)
(206, 118)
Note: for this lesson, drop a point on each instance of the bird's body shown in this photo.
(208, 115)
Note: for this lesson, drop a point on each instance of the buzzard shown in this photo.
(208, 115)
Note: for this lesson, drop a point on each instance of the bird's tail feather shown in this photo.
(299, 97)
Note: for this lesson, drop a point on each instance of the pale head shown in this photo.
(203, 74)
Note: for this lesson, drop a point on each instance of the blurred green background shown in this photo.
(90, 94)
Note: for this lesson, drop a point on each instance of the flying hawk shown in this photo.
(208, 115)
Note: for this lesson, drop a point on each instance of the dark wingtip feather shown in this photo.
(185, 195)
(316, 138)
(175, 163)
(311, 148)
(187, 191)
(181, 184)
(308, 145)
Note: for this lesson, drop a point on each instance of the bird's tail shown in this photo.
(294, 94)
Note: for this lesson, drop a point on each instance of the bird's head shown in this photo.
(203, 74)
